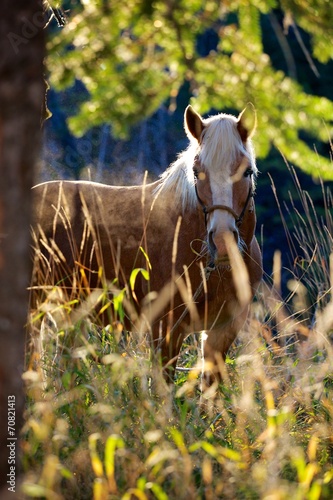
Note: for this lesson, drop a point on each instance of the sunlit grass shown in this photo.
(101, 422)
(107, 426)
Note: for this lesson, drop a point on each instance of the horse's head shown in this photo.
(224, 171)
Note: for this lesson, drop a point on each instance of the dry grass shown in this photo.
(101, 422)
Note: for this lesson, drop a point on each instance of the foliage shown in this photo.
(132, 57)
(316, 18)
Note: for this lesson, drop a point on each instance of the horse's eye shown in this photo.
(201, 176)
(248, 172)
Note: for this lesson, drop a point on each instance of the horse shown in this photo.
(190, 235)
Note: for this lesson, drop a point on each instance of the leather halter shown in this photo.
(238, 218)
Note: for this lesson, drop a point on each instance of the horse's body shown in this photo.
(100, 226)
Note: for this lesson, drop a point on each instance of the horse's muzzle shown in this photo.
(218, 248)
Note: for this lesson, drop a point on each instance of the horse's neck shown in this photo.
(166, 212)
(169, 202)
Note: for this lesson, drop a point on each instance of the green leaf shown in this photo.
(134, 274)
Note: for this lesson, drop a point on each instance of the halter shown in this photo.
(238, 218)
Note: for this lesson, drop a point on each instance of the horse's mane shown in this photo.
(221, 145)
(178, 179)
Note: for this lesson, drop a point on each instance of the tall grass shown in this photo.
(310, 238)
(101, 423)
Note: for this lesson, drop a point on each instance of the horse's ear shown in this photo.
(247, 122)
(193, 123)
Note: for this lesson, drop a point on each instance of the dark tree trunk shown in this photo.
(22, 92)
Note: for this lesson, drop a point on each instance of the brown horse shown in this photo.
(198, 218)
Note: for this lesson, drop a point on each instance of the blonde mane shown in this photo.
(221, 145)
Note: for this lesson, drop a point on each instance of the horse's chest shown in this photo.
(219, 301)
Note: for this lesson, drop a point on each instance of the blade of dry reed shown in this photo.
(239, 271)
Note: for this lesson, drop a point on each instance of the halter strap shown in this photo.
(238, 218)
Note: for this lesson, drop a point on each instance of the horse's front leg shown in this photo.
(216, 346)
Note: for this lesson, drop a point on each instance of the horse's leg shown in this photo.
(215, 350)
(216, 346)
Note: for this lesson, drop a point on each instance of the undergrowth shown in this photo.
(101, 423)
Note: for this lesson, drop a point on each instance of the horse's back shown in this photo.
(84, 223)
(74, 199)
(105, 226)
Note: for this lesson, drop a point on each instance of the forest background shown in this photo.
(121, 76)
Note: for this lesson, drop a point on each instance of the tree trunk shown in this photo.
(22, 91)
